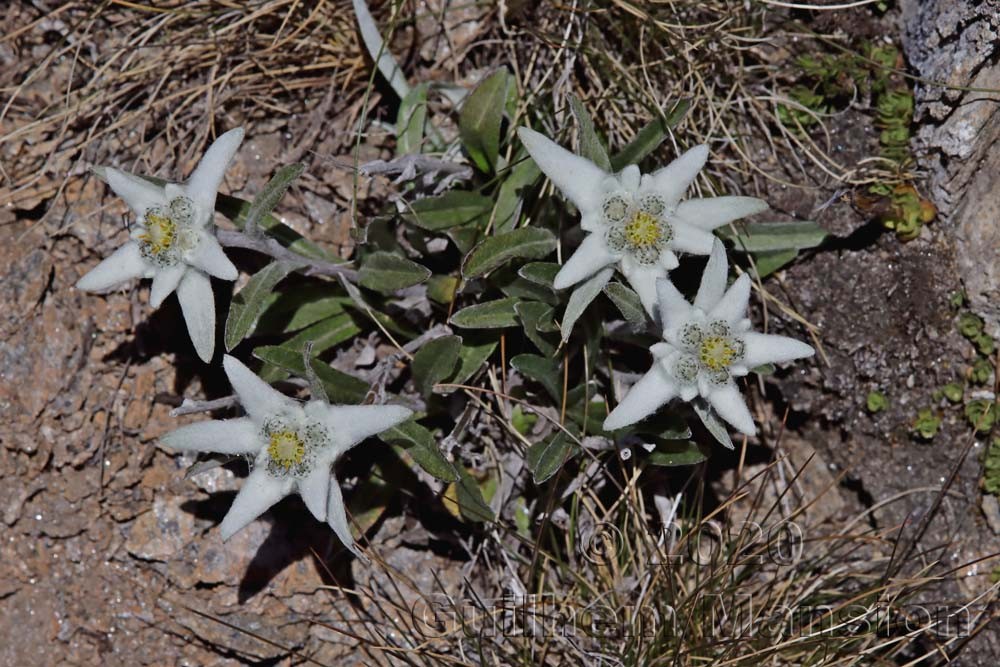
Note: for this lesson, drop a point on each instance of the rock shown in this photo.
(956, 43)
(159, 534)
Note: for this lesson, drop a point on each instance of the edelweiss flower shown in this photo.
(293, 445)
(707, 344)
(173, 241)
(636, 221)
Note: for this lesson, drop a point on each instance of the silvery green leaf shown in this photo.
(473, 355)
(379, 52)
(316, 388)
(581, 297)
(296, 309)
(541, 273)
(649, 138)
(772, 236)
(532, 313)
(250, 302)
(546, 457)
(387, 272)
(543, 370)
(470, 499)
(713, 424)
(480, 118)
(591, 146)
(495, 251)
(452, 209)
(522, 173)
(340, 388)
(269, 196)
(628, 303)
(435, 361)
(411, 119)
(768, 262)
(324, 334)
(677, 453)
(490, 315)
(420, 444)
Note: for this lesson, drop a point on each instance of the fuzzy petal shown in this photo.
(592, 256)
(630, 177)
(351, 424)
(577, 178)
(204, 183)
(733, 306)
(653, 390)
(165, 282)
(336, 516)
(692, 240)
(714, 212)
(769, 349)
(713, 279)
(137, 192)
(121, 266)
(668, 260)
(592, 221)
(674, 308)
(314, 490)
(210, 258)
(259, 399)
(673, 180)
(226, 436)
(260, 491)
(729, 404)
(643, 280)
(198, 305)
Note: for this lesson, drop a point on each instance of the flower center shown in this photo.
(167, 232)
(160, 234)
(643, 230)
(286, 449)
(716, 353)
(292, 444)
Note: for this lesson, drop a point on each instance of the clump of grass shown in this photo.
(118, 76)
(627, 572)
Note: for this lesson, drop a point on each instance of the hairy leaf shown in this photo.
(771, 236)
(581, 298)
(543, 370)
(340, 387)
(480, 119)
(437, 360)
(252, 300)
(490, 315)
(387, 272)
(270, 195)
(495, 251)
(547, 456)
(649, 138)
(452, 209)
(421, 445)
(410, 120)
(591, 146)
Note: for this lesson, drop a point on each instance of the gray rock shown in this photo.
(956, 44)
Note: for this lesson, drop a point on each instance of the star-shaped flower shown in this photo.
(636, 221)
(173, 241)
(706, 345)
(293, 444)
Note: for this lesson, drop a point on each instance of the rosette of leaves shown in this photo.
(448, 302)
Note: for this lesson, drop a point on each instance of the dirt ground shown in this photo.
(110, 556)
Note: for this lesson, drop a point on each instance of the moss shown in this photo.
(926, 424)
(876, 402)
